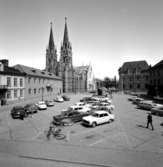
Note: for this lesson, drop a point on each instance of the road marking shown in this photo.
(97, 142)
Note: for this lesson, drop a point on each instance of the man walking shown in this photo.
(149, 121)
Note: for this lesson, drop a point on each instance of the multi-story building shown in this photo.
(39, 83)
(155, 87)
(12, 83)
(134, 76)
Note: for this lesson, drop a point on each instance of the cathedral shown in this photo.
(64, 67)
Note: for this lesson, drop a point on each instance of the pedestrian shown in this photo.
(149, 121)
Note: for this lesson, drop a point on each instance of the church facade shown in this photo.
(71, 77)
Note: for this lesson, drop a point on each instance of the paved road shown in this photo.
(125, 142)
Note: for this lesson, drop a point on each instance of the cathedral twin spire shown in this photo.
(65, 37)
(52, 65)
(51, 39)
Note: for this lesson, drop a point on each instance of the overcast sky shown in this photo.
(105, 33)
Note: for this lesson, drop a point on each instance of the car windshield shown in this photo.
(95, 115)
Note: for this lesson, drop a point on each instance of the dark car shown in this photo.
(31, 108)
(74, 116)
(18, 112)
(65, 98)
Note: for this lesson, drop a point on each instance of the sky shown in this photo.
(103, 33)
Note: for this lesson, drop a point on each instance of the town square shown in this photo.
(81, 83)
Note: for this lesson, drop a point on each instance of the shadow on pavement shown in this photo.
(141, 126)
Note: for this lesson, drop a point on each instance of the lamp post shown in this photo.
(42, 88)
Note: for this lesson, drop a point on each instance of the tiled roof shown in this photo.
(35, 72)
(133, 65)
(11, 71)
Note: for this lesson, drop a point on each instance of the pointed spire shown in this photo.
(65, 38)
(51, 40)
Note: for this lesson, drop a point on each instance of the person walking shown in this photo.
(149, 121)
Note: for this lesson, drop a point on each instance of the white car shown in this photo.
(59, 99)
(80, 108)
(41, 105)
(109, 106)
(98, 117)
(80, 104)
(102, 99)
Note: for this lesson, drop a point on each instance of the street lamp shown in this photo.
(42, 88)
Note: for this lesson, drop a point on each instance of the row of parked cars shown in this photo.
(155, 108)
(91, 111)
(31, 108)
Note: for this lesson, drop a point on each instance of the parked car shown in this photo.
(137, 100)
(18, 112)
(158, 110)
(80, 108)
(98, 117)
(79, 104)
(103, 104)
(66, 98)
(49, 103)
(147, 104)
(88, 100)
(74, 116)
(31, 108)
(41, 105)
(59, 99)
(131, 98)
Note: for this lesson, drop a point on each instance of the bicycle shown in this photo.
(56, 132)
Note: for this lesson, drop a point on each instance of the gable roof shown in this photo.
(134, 65)
(36, 72)
(159, 64)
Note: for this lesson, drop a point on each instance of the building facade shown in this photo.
(40, 84)
(78, 79)
(84, 79)
(12, 83)
(63, 67)
(134, 76)
(155, 87)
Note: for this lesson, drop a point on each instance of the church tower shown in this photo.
(51, 55)
(66, 67)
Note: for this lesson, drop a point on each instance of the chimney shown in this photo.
(4, 62)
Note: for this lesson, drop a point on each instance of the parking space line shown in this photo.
(97, 142)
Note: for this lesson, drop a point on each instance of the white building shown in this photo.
(12, 83)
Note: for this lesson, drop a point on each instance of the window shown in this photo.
(138, 86)
(8, 81)
(15, 93)
(130, 86)
(9, 94)
(15, 82)
(29, 79)
(21, 92)
(34, 91)
(21, 82)
(29, 91)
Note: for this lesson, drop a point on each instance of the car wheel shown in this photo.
(94, 124)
